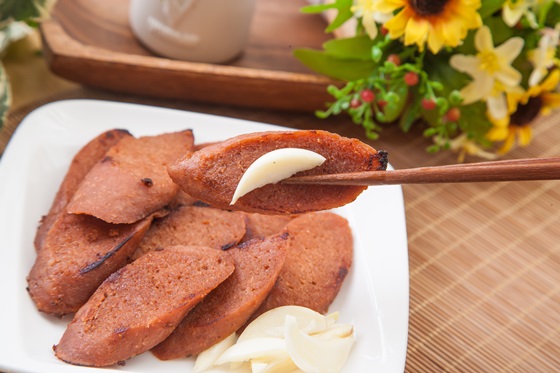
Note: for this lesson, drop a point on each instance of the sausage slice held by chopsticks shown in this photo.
(212, 173)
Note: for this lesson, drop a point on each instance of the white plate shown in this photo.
(374, 297)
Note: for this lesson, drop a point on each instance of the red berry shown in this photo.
(394, 58)
(428, 104)
(382, 104)
(411, 78)
(384, 31)
(367, 95)
(355, 103)
(453, 114)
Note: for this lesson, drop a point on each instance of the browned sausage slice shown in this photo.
(260, 225)
(213, 172)
(257, 265)
(81, 164)
(319, 258)
(131, 181)
(78, 254)
(194, 225)
(141, 304)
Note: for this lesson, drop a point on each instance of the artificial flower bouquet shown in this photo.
(475, 73)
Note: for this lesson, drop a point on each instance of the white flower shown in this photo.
(369, 16)
(543, 57)
(513, 10)
(464, 146)
(491, 71)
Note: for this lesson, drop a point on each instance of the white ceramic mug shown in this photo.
(212, 31)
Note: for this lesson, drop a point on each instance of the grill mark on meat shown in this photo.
(228, 246)
(97, 264)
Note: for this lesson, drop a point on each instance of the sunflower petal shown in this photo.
(388, 6)
(416, 32)
(524, 135)
(436, 41)
(551, 82)
(473, 21)
(397, 25)
(550, 101)
(497, 134)
(450, 34)
(508, 144)
(513, 100)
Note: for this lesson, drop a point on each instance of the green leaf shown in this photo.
(5, 95)
(23, 10)
(317, 8)
(430, 131)
(357, 47)
(439, 70)
(344, 14)
(500, 31)
(340, 19)
(543, 10)
(553, 15)
(410, 114)
(474, 120)
(343, 69)
(397, 100)
(489, 7)
(342, 6)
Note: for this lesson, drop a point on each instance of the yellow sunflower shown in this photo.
(438, 23)
(524, 108)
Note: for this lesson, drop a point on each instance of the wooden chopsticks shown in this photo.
(506, 170)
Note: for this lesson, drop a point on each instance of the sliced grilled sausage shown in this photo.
(213, 172)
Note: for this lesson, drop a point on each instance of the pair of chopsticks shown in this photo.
(506, 170)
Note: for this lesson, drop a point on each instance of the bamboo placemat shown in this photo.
(484, 257)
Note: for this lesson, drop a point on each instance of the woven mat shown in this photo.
(484, 257)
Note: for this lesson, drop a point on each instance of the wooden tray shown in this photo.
(90, 42)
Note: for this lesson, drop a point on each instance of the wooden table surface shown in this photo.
(484, 257)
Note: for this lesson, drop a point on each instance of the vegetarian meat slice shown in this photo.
(194, 225)
(141, 304)
(213, 172)
(131, 181)
(81, 164)
(257, 265)
(319, 258)
(78, 254)
(260, 225)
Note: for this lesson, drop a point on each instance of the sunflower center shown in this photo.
(526, 113)
(428, 7)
